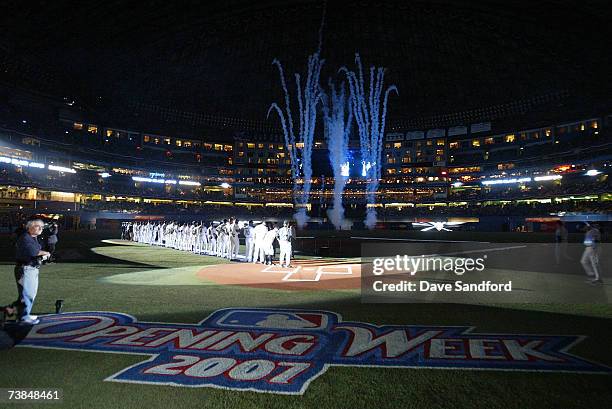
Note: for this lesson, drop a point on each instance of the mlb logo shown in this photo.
(273, 319)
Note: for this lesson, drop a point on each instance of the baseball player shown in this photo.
(259, 233)
(212, 239)
(285, 235)
(222, 239)
(234, 239)
(248, 240)
(590, 257)
(268, 243)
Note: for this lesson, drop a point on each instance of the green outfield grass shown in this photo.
(81, 278)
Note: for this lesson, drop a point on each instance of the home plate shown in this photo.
(302, 275)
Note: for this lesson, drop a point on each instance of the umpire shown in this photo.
(28, 257)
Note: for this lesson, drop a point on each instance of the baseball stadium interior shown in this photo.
(254, 204)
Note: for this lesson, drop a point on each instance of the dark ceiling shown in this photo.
(213, 58)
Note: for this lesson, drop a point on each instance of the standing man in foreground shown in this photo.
(28, 256)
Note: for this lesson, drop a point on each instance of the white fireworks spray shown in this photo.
(308, 97)
(370, 118)
(337, 118)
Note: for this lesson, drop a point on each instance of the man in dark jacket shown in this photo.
(28, 257)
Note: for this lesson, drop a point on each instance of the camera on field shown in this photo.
(40, 260)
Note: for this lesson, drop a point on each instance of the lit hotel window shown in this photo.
(476, 143)
(92, 129)
(260, 145)
(78, 126)
(548, 132)
(179, 142)
(187, 144)
(489, 141)
(109, 132)
(510, 138)
(440, 142)
(156, 141)
(146, 138)
(397, 145)
(251, 145)
(167, 141)
(453, 145)
(594, 125)
(218, 147)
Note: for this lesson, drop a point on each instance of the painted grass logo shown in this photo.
(282, 351)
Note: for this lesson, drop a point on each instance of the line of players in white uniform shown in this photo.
(221, 239)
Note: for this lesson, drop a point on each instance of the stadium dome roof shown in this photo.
(453, 62)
